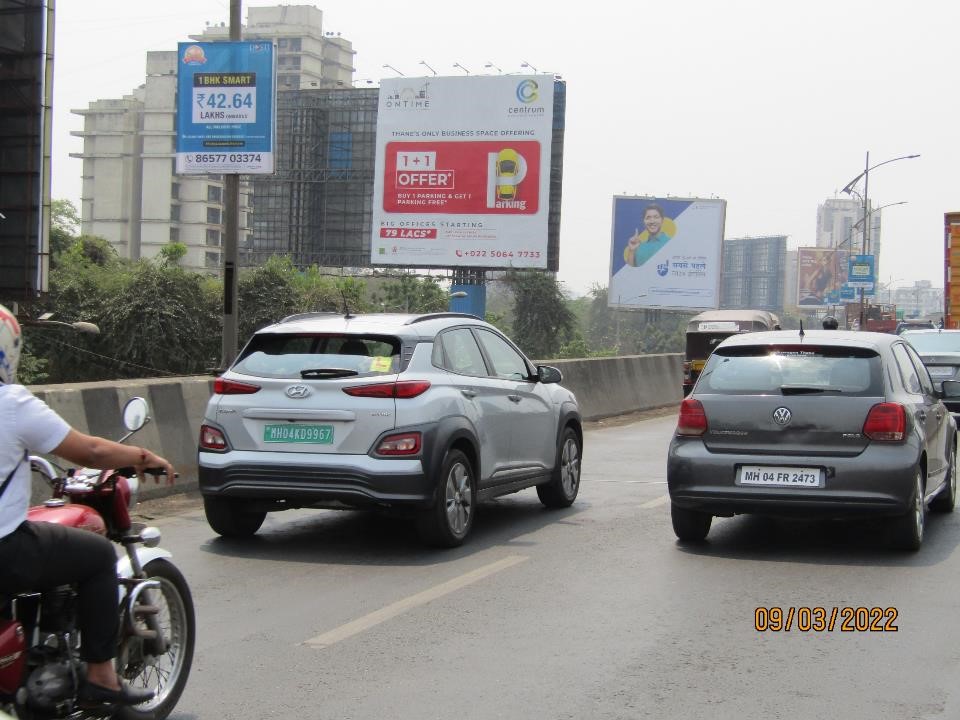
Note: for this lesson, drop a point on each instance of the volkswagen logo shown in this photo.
(782, 416)
(298, 391)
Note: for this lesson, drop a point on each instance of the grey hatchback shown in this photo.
(427, 414)
(823, 422)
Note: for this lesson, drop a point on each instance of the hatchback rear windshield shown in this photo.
(318, 356)
(792, 370)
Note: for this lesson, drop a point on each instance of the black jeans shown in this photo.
(40, 556)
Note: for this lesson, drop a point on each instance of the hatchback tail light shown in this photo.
(692, 420)
(402, 444)
(212, 439)
(886, 422)
(232, 387)
(399, 389)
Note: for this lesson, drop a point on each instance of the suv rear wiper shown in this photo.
(327, 373)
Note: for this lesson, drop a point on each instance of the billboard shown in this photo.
(666, 252)
(822, 277)
(463, 171)
(225, 107)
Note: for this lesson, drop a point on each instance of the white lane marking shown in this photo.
(355, 627)
(662, 500)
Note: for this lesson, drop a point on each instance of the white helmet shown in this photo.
(10, 346)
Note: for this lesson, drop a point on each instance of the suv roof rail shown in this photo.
(440, 315)
(308, 315)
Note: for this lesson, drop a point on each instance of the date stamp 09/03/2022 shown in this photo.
(825, 619)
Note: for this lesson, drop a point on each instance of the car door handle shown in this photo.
(469, 394)
(514, 398)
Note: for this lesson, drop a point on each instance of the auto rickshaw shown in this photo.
(706, 330)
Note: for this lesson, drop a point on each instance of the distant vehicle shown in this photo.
(940, 352)
(508, 174)
(824, 423)
(706, 330)
(418, 414)
(880, 318)
(915, 324)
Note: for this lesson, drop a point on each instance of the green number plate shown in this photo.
(294, 433)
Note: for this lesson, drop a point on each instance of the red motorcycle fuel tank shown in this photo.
(13, 653)
(71, 515)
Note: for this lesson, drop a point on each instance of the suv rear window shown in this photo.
(792, 370)
(290, 355)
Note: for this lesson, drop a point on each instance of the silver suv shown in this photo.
(424, 413)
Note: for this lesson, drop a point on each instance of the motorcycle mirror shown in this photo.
(135, 414)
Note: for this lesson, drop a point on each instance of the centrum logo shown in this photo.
(528, 91)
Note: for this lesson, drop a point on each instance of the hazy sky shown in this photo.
(769, 105)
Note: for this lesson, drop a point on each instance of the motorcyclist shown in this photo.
(830, 323)
(37, 556)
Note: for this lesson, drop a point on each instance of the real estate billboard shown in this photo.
(463, 171)
(666, 253)
(225, 107)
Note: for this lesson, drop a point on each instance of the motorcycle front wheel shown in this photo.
(165, 673)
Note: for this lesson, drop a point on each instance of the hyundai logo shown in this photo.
(298, 391)
(782, 416)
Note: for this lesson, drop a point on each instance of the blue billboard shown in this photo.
(860, 271)
(225, 107)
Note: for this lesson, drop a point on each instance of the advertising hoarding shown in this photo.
(822, 277)
(463, 171)
(666, 252)
(860, 272)
(951, 269)
(225, 107)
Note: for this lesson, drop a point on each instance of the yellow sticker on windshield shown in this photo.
(380, 364)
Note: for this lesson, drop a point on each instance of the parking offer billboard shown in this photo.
(666, 252)
(225, 107)
(463, 171)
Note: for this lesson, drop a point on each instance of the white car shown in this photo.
(427, 414)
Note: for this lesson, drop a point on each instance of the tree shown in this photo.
(542, 321)
(172, 253)
(412, 294)
(266, 294)
(64, 223)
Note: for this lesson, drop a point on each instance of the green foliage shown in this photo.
(64, 222)
(31, 371)
(91, 250)
(412, 294)
(542, 321)
(266, 294)
(172, 253)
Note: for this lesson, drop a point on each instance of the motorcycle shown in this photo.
(40, 666)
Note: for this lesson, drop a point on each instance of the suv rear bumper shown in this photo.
(308, 480)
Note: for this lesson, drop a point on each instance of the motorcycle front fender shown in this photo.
(144, 555)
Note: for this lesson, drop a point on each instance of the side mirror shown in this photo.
(951, 389)
(550, 374)
(135, 414)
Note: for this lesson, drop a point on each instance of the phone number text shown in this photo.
(500, 253)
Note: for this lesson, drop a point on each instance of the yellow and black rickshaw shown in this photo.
(706, 330)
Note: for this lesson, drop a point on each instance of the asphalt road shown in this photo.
(591, 612)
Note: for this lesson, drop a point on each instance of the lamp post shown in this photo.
(45, 321)
(391, 67)
(848, 189)
(458, 65)
(525, 64)
(491, 65)
(424, 63)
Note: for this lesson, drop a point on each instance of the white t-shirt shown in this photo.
(26, 423)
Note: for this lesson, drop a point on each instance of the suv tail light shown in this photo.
(403, 444)
(212, 439)
(692, 420)
(887, 422)
(399, 389)
(232, 387)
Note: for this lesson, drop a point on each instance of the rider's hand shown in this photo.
(152, 460)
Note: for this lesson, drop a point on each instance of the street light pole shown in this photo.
(848, 188)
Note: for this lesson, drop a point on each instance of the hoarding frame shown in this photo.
(680, 269)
